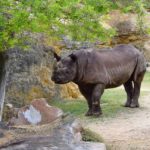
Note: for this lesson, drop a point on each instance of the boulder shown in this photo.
(63, 137)
(37, 113)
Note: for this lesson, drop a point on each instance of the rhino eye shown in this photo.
(59, 67)
(67, 71)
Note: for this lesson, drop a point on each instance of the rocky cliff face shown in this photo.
(30, 77)
(128, 31)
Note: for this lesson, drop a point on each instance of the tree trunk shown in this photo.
(3, 77)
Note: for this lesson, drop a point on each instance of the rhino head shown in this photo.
(64, 69)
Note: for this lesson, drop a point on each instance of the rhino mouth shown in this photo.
(58, 81)
(61, 82)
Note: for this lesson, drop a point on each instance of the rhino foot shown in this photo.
(89, 113)
(96, 110)
(133, 105)
(127, 104)
(97, 113)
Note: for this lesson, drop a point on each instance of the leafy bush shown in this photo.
(74, 18)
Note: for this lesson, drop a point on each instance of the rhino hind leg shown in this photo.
(137, 87)
(129, 90)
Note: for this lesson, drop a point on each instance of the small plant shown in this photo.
(88, 135)
(139, 7)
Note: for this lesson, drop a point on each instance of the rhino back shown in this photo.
(111, 67)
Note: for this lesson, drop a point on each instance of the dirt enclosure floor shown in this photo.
(128, 130)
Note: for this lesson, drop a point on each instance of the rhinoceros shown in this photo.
(96, 70)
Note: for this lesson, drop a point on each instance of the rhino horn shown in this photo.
(50, 48)
(73, 57)
(56, 56)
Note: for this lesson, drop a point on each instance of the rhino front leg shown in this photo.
(96, 95)
(86, 91)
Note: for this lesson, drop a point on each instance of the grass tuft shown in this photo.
(88, 135)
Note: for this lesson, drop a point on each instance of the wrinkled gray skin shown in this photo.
(93, 71)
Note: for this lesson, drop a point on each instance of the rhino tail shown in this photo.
(140, 66)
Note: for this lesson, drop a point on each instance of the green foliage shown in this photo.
(74, 18)
(127, 3)
(140, 10)
(18, 18)
(79, 20)
(84, 20)
(136, 6)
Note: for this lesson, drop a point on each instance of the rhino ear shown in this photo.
(57, 57)
(73, 57)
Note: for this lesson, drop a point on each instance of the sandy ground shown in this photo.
(128, 130)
